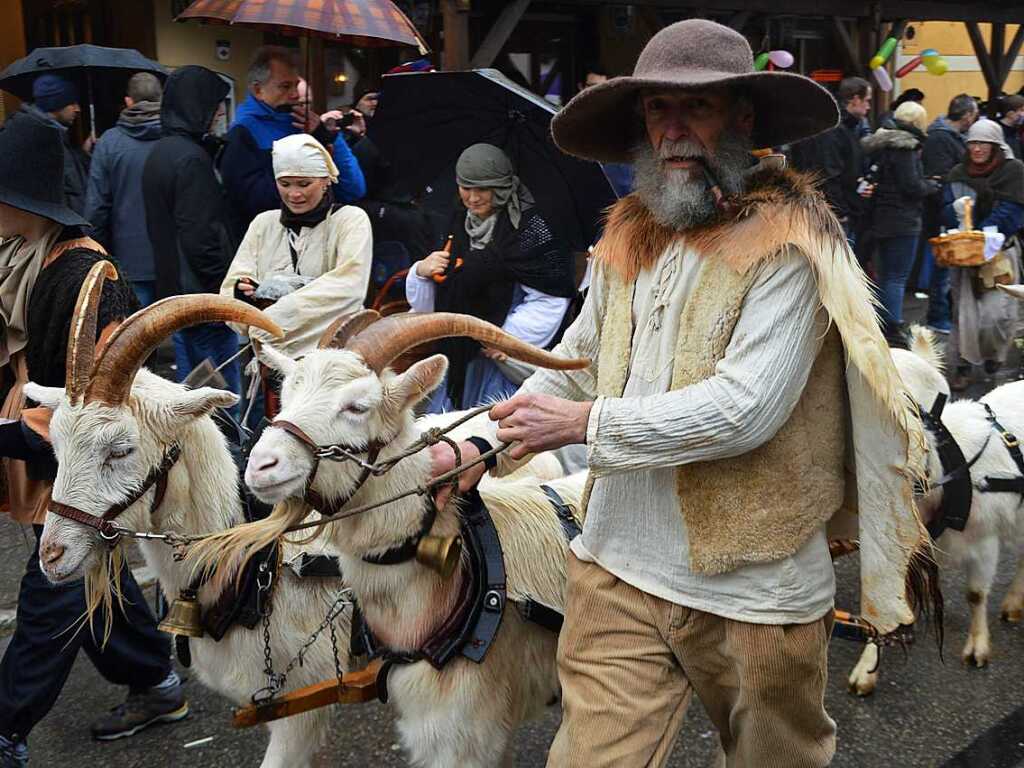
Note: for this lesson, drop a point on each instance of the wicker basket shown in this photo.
(959, 249)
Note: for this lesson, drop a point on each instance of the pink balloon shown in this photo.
(882, 78)
(781, 59)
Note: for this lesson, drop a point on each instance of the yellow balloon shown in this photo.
(876, 62)
(937, 66)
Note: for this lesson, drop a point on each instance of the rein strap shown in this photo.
(105, 523)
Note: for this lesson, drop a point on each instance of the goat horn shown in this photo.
(1017, 291)
(82, 336)
(345, 327)
(381, 343)
(139, 335)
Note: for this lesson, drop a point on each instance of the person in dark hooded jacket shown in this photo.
(187, 214)
(115, 184)
(898, 203)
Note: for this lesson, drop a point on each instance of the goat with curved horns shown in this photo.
(462, 713)
(111, 425)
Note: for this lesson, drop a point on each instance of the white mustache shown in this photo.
(684, 148)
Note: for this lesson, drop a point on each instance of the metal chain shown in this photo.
(276, 682)
(264, 581)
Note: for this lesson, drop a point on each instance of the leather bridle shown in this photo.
(333, 452)
(104, 523)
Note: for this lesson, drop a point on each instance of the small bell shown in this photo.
(439, 553)
(184, 617)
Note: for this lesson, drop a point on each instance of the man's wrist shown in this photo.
(483, 446)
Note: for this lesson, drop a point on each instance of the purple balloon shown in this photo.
(882, 78)
(781, 59)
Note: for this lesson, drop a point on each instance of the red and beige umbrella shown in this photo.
(360, 23)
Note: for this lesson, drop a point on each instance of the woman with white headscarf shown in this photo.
(317, 254)
(504, 264)
(984, 318)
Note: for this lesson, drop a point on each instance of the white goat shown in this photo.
(104, 451)
(464, 713)
(992, 515)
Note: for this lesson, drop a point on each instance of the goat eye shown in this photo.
(120, 453)
(356, 409)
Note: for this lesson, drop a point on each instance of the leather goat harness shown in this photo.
(334, 452)
(958, 487)
(104, 523)
(472, 625)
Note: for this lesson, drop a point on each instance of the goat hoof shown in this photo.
(975, 658)
(862, 686)
(1012, 615)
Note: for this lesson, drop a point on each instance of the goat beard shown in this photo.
(678, 198)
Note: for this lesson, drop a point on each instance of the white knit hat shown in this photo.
(302, 155)
(991, 133)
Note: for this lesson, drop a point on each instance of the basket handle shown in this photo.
(968, 214)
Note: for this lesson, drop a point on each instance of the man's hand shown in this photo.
(305, 120)
(538, 423)
(442, 459)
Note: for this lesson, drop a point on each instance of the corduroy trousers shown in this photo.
(629, 663)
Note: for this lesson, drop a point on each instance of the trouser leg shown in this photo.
(42, 650)
(136, 654)
(623, 693)
(763, 687)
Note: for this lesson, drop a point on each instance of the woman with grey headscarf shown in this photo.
(503, 264)
(985, 319)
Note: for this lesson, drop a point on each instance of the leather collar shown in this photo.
(105, 522)
(406, 550)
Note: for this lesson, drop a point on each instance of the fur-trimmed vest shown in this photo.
(763, 505)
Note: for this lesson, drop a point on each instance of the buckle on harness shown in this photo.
(1010, 440)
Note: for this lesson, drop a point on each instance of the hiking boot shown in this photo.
(13, 754)
(141, 710)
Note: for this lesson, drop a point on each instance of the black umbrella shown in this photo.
(81, 63)
(426, 119)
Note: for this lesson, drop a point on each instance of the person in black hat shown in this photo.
(55, 103)
(43, 261)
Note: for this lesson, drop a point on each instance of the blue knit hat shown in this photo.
(51, 93)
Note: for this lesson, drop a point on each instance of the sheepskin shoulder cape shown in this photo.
(854, 445)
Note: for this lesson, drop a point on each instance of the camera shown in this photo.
(346, 120)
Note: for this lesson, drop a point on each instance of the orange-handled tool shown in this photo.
(458, 262)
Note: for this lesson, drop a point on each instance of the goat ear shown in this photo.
(420, 379)
(50, 397)
(279, 361)
(193, 403)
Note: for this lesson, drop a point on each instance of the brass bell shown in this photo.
(184, 617)
(439, 553)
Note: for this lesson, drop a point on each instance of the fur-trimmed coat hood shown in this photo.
(903, 136)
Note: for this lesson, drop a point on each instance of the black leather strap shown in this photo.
(483, 446)
(406, 550)
(1005, 484)
(957, 488)
(569, 525)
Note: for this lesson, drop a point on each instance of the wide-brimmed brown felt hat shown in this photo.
(600, 123)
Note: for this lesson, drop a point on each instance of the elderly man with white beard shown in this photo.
(741, 396)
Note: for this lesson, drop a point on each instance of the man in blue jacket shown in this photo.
(271, 112)
(115, 185)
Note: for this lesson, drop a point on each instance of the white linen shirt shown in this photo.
(534, 317)
(634, 527)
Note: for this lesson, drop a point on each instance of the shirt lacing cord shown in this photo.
(663, 293)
